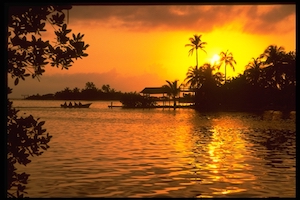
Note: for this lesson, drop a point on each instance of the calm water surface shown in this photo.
(102, 152)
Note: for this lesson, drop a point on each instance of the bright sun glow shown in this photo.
(215, 59)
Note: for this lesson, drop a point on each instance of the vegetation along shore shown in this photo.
(268, 82)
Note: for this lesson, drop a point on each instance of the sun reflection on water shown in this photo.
(228, 155)
(221, 142)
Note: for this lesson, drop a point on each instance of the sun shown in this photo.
(215, 59)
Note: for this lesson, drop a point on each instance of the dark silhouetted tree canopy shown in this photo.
(28, 54)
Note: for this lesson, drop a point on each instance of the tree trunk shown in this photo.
(225, 73)
(197, 58)
(174, 105)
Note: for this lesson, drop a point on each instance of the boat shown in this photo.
(87, 105)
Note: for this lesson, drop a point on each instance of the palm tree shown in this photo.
(290, 69)
(274, 56)
(67, 90)
(254, 71)
(211, 78)
(195, 44)
(227, 58)
(106, 88)
(218, 78)
(90, 86)
(194, 77)
(173, 90)
(76, 90)
(204, 80)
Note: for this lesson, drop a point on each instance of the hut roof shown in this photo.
(154, 90)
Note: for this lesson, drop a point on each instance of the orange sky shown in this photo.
(132, 47)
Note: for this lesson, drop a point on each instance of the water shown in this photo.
(102, 152)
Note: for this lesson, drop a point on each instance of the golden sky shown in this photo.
(146, 43)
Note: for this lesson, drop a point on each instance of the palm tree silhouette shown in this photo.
(290, 69)
(67, 90)
(227, 58)
(211, 78)
(274, 56)
(106, 88)
(76, 90)
(204, 81)
(195, 44)
(194, 77)
(254, 71)
(173, 90)
(90, 85)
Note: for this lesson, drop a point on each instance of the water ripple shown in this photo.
(104, 152)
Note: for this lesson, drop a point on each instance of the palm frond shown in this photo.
(189, 45)
(191, 51)
(203, 50)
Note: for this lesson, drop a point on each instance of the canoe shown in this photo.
(76, 106)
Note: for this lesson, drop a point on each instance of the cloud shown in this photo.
(176, 17)
(57, 82)
(269, 19)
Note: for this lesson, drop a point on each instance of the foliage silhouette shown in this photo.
(227, 59)
(194, 77)
(203, 81)
(275, 65)
(196, 44)
(90, 92)
(254, 71)
(28, 55)
(90, 86)
(25, 137)
(173, 90)
(135, 100)
(268, 82)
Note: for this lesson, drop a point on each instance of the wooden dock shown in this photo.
(163, 106)
(111, 106)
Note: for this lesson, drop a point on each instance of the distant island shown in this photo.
(90, 92)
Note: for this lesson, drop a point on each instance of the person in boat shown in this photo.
(70, 104)
(75, 104)
(65, 104)
(80, 104)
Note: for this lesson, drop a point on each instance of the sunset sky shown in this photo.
(137, 46)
